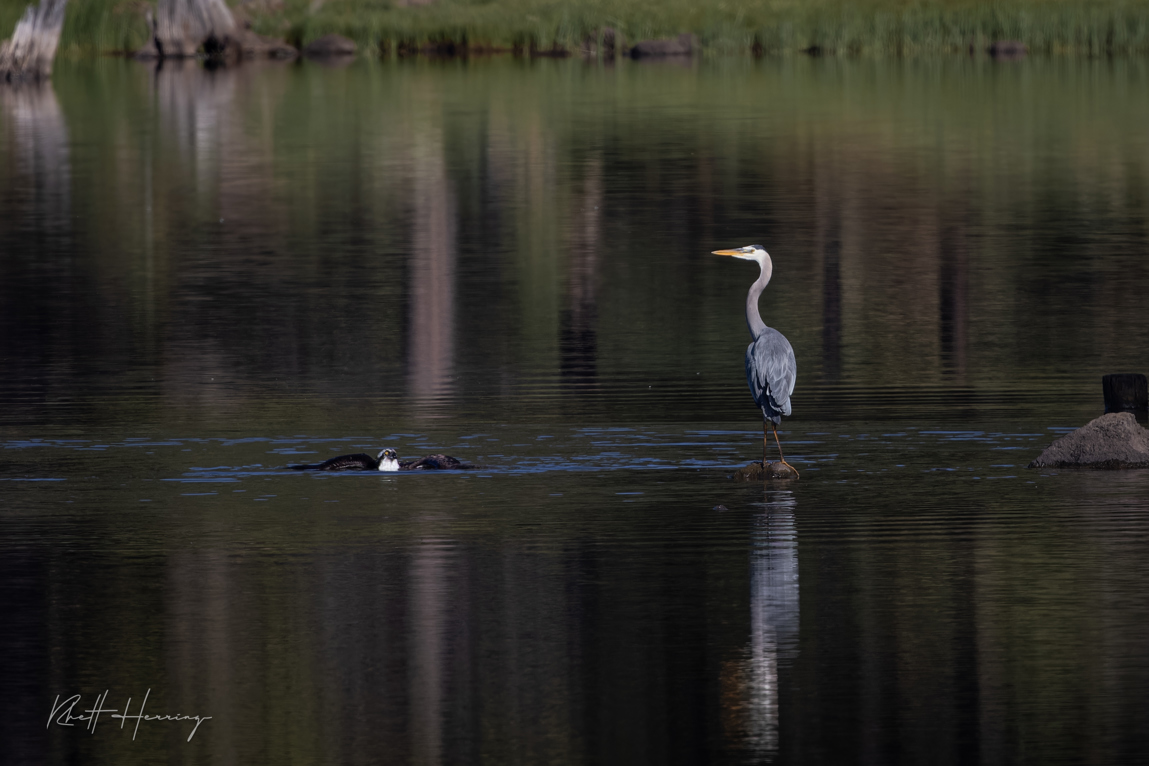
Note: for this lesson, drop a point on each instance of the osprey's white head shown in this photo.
(388, 460)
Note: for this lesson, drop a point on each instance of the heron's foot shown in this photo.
(792, 468)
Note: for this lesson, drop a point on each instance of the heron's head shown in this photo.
(748, 253)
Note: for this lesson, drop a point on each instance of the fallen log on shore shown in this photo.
(28, 55)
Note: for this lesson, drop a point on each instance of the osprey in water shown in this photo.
(388, 460)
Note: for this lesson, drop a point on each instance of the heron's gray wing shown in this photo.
(771, 371)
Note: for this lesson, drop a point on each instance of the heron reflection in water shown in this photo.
(751, 685)
(770, 365)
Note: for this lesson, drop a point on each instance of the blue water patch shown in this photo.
(32, 479)
(203, 480)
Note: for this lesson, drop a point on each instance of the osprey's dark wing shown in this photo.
(356, 462)
(435, 463)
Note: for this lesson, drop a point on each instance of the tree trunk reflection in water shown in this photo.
(201, 636)
(196, 106)
(432, 275)
(429, 583)
(829, 211)
(36, 218)
(40, 156)
(579, 343)
(953, 282)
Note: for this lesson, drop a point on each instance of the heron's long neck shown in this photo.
(753, 318)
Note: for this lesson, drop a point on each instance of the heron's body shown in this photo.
(771, 369)
(388, 460)
(771, 372)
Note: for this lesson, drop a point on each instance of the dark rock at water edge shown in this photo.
(1113, 440)
(683, 45)
(259, 46)
(1007, 49)
(556, 51)
(756, 472)
(330, 46)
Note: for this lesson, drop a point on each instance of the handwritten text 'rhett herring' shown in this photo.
(64, 713)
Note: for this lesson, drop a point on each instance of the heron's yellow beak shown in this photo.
(727, 252)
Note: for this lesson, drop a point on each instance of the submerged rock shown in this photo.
(1007, 49)
(259, 46)
(756, 472)
(329, 46)
(684, 45)
(1113, 440)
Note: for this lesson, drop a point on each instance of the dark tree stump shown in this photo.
(1126, 392)
(602, 43)
(330, 46)
(27, 57)
(1007, 50)
(181, 28)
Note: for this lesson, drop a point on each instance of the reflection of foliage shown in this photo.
(985, 224)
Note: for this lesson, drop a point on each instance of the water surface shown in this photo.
(207, 276)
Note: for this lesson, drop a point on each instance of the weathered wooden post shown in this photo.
(1126, 392)
(28, 56)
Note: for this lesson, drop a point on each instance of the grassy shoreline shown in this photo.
(881, 27)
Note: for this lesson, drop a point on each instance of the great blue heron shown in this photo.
(770, 365)
(388, 460)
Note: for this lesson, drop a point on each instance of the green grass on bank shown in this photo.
(90, 26)
(868, 26)
(882, 27)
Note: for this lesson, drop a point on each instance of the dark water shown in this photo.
(208, 276)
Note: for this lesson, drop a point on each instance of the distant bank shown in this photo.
(613, 27)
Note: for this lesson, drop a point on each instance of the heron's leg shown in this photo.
(765, 441)
(781, 458)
